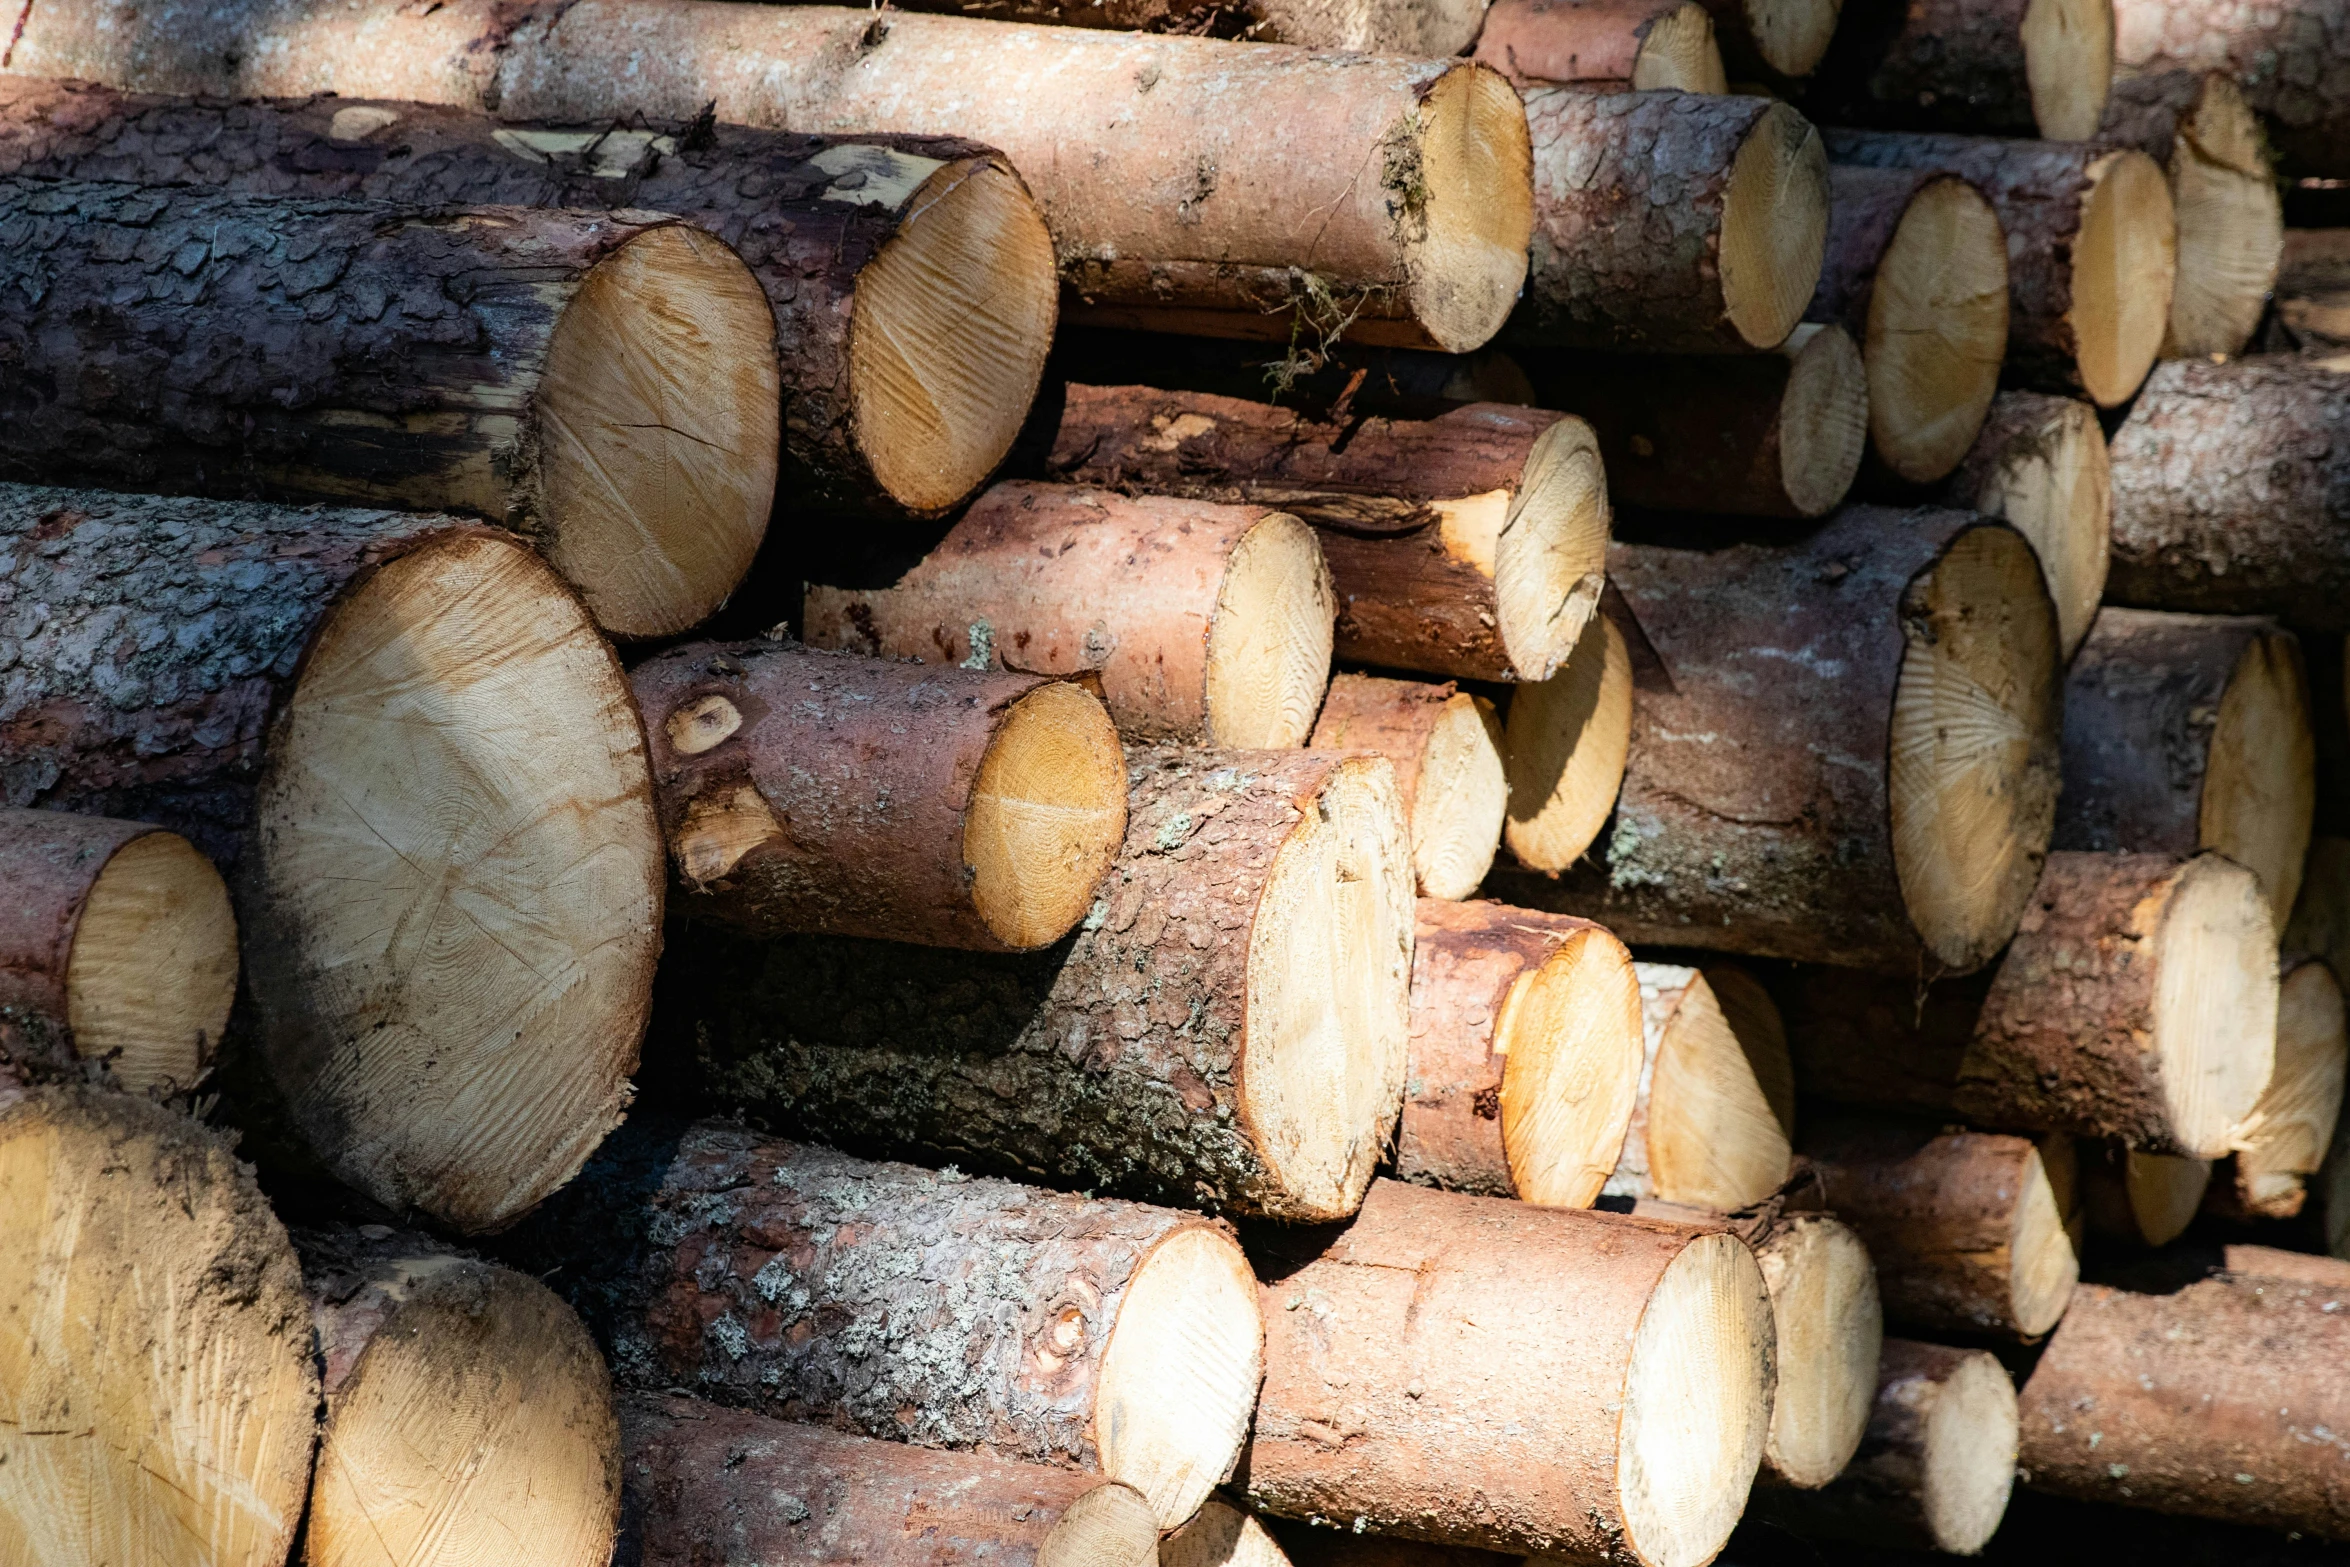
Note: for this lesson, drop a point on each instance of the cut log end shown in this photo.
(2068, 65)
(2260, 782)
(2125, 264)
(1937, 330)
(1567, 739)
(1551, 557)
(1468, 207)
(1791, 36)
(1969, 1450)
(459, 885)
(1680, 55)
(953, 319)
(1774, 226)
(1459, 799)
(2231, 224)
(1221, 1535)
(1974, 744)
(1111, 1525)
(1718, 1115)
(2283, 1142)
(2044, 1263)
(2143, 1199)
(2215, 1001)
(658, 421)
(1823, 419)
(1569, 1032)
(2046, 471)
(1270, 640)
(1047, 814)
(1831, 1329)
(153, 969)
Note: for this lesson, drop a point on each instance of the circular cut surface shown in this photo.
(1697, 1404)
(476, 1426)
(2260, 782)
(2044, 1265)
(1937, 330)
(1458, 802)
(2125, 262)
(2068, 63)
(1329, 991)
(953, 319)
(1774, 226)
(1716, 1139)
(1973, 745)
(1831, 1331)
(1179, 1378)
(1823, 419)
(1569, 1033)
(2286, 1136)
(1565, 743)
(1269, 643)
(154, 965)
(1111, 1525)
(2056, 487)
(459, 885)
(1970, 1454)
(2215, 1001)
(658, 419)
(1792, 35)
(1680, 55)
(2231, 225)
(1046, 816)
(2164, 1193)
(1465, 248)
(1222, 1536)
(1551, 558)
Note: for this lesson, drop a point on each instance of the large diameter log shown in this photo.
(1525, 1054)
(2188, 732)
(2231, 492)
(1227, 1029)
(1472, 544)
(467, 1411)
(605, 384)
(2092, 250)
(1671, 222)
(2033, 68)
(1445, 745)
(1917, 649)
(117, 945)
(404, 738)
(1916, 273)
(1202, 623)
(155, 1351)
(1604, 45)
(1624, 1421)
(2283, 60)
(2282, 1144)
(807, 791)
(1566, 741)
(2040, 462)
(1713, 1122)
(2140, 1200)
(911, 279)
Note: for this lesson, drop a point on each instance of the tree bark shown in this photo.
(2040, 462)
(2231, 493)
(1446, 746)
(1426, 28)
(1610, 46)
(1969, 65)
(2287, 62)
(1713, 1121)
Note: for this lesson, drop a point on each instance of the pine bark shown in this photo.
(51, 861)
(1593, 44)
(1442, 27)
(1955, 65)
(2287, 59)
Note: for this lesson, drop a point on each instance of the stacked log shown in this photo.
(2040, 462)
(1714, 1118)
(1604, 45)
(2139, 1199)
(2282, 1144)
(2013, 68)
(1221, 1535)
(1445, 745)
(1773, 43)
(1565, 746)
(1413, 27)
(2312, 292)
(2279, 58)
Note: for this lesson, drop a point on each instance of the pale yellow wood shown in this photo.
(2068, 64)
(2056, 487)
(1831, 1331)
(1680, 55)
(1571, 1074)
(2125, 265)
(1567, 739)
(2231, 225)
(1937, 330)
(153, 969)
(1460, 799)
(2215, 1001)
(1270, 638)
(1109, 1526)
(1823, 418)
(1550, 556)
(1774, 226)
(1047, 814)
(2260, 781)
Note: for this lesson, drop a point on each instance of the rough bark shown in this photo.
(1428, 28)
(2231, 492)
(1956, 65)
(53, 860)
(1326, 1543)
(2289, 61)
(1598, 45)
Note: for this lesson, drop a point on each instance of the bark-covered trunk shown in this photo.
(1604, 45)
(1969, 65)
(2287, 59)
(1430, 28)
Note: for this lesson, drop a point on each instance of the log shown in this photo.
(933, 1308)
(418, 764)
(2313, 291)
(2189, 732)
(2197, 125)
(1221, 1535)
(1713, 1122)
(1778, 433)
(1935, 1469)
(1525, 1053)
(1966, 1228)
(2030, 68)
(1445, 745)
(1202, 623)
(1627, 1423)
(117, 945)
(1672, 223)
(546, 370)
(1227, 1030)
(158, 1381)
(911, 279)
(2092, 250)
(1921, 646)
(467, 1410)
(2321, 915)
(2140, 1200)
(2040, 462)
(2163, 1401)
(1916, 273)
(1472, 544)
(1604, 45)
(2282, 1144)
(1565, 746)
(1427, 28)
(1325, 1544)
(807, 791)
(2231, 490)
(2281, 59)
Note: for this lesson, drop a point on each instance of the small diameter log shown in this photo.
(1773, 43)
(1936, 1467)
(1625, 1422)
(1566, 742)
(1445, 745)
(2029, 68)
(1673, 223)
(1201, 623)
(404, 740)
(911, 279)
(2140, 1199)
(2169, 1402)
(604, 384)
(161, 1401)
(1604, 45)
(1919, 648)
(1472, 544)
(1966, 1228)
(1772, 434)
(1713, 1122)
(2040, 462)
(2283, 60)
(467, 1411)
(1525, 1054)
(2282, 1144)
(117, 945)
(1221, 1535)
(2092, 250)
(1916, 273)
(806, 791)
(2187, 732)
(1228, 1030)
(2231, 492)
